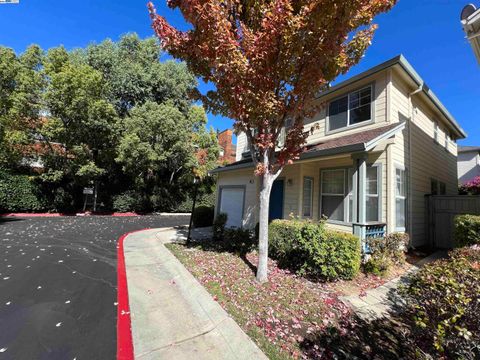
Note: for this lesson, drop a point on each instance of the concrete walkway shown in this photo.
(379, 302)
(173, 316)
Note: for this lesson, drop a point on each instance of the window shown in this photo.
(437, 187)
(435, 131)
(354, 108)
(447, 140)
(337, 194)
(400, 199)
(283, 134)
(333, 194)
(433, 187)
(372, 194)
(307, 196)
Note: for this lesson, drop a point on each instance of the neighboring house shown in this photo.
(227, 148)
(470, 19)
(382, 142)
(468, 163)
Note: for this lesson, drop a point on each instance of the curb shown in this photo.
(124, 323)
(115, 214)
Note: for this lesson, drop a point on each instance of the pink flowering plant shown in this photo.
(471, 187)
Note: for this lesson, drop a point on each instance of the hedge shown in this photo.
(308, 248)
(443, 302)
(203, 216)
(467, 230)
(19, 193)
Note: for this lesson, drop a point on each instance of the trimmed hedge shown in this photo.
(467, 230)
(443, 302)
(308, 248)
(203, 216)
(385, 252)
(20, 193)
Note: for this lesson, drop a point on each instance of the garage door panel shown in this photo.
(231, 203)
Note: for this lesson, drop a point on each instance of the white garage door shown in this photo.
(231, 203)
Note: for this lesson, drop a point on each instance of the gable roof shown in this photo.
(402, 62)
(464, 149)
(357, 142)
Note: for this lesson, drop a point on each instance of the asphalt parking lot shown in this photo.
(58, 284)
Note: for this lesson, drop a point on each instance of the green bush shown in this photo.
(443, 302)
(202, 200)
(239, 240)
(219, 226)
(467, 230)
(129, 201)
(385, 252)
(203, 216)
(20, 193)
(308, 248)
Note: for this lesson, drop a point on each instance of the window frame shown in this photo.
(348, 174)
(321, 194)
(349, 126)
(308, 178)
(379, 191)
(404, 198)
(436, 130)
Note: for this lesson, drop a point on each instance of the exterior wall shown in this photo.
(245, 178)
(468, 166)
(429, 159)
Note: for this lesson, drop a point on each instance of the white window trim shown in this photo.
(346, 199)
(308, 178)
(349, 126)
(436, 130)
(405, 198)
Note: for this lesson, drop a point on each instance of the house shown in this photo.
(470, 19)
(381, 143)
(468, 163)
(227, 147)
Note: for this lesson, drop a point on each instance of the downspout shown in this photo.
(409, 168)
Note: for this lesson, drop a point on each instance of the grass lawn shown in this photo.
(290, 317)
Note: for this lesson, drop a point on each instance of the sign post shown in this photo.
(88, 191)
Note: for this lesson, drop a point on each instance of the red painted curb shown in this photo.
(61, 214)
(124, 324)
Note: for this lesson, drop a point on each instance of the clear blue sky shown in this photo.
(427, 32)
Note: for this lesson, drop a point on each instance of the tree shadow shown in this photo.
(5, 220)
(357, 338)
(219, 246)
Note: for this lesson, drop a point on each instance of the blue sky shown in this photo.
(427, 32)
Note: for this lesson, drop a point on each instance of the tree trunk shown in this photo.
(266, 187)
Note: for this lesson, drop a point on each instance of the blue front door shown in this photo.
(276, 201)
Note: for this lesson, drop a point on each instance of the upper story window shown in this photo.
(447, 139)
(435, 131)
(350, 109)
(283, 134)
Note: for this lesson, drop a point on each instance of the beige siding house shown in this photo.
(381, 143)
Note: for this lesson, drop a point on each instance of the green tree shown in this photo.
(159, 148)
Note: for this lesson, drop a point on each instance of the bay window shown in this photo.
(337, 197)
(351, 109)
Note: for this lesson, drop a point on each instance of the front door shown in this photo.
(276, 200)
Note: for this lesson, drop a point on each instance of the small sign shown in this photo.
(88, 191)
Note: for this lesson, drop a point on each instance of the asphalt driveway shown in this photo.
(58, 284)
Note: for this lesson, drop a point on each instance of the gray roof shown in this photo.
(463, 149)
(405, 65)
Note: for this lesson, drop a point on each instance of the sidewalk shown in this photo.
(380, 301)
(172, 315)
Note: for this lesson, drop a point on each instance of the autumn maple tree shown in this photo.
(268, 60)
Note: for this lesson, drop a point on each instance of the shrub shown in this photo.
(203, 216)
(19, 193)
(219, 226)
(63, 201)
(385, 252)
(128, 201)
(239, 240)
(467, 230)
(443, 302)
(308, 248)
(202, 200)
